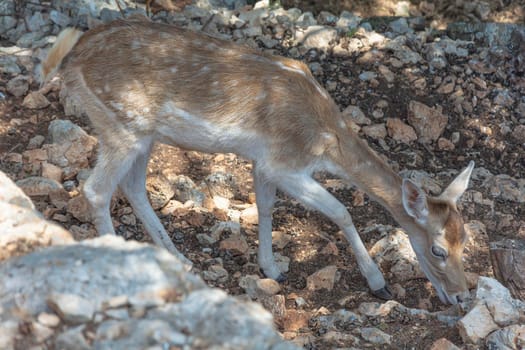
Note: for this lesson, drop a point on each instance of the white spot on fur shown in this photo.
(98, 91)
(146, 109)
(173, 69)
(215, 83)
(205, 69)
(260, 96)
(136, 44)
(171, 109)
(107, 88)
(130, 114)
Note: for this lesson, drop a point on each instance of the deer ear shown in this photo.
(457, 187)
(414, 201)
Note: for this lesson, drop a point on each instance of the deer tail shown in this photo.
(65, 41)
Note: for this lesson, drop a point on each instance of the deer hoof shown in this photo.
(384, 293)
(281, 278)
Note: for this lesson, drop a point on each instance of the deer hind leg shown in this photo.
(265, 198)
(312, 194)
(133, 185)
(112, 164)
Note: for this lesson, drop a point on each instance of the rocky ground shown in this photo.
(428, 99)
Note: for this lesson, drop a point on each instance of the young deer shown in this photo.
(142, 82)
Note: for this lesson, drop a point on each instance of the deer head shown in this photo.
(439, 238)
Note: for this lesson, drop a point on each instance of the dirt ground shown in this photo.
(310, 231)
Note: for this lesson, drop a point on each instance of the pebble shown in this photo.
(375, 336)
(18, 86)
(324, 278)
(428, 122)
(71, 308)
(35, 100)
(235, 244)
(48, 320)
(400, 131)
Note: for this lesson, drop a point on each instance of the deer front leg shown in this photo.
(312, 194)
(265, 198)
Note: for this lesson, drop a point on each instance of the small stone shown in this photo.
(215, 273)
(14, 157)
(283, 262)
(317, 37)
(375, 131)
(35, 155)
(62, 131)
(267, 286)
(367, 76)
(171, 206)
(52, 172)
(275, 304)
(250, 216)
(386, 73)
(324, 278)
(356, 115)
(35, 100)
(428, 122)
(72, 338)
(18, 86)
(36, 186)
(221, 184)
(220, 202)
(443, 344)
(8, 332)
(36, 142)
(249, 284)
(400, 131)
(348, 20)
(330, 249)
(129, 219)
(159, 190)
(235, 244)
(71, 308)
(326, 18)
(375, 336)
(219, 228)
(294, 320)
(445, 144)
(374, 309)
(205, 240)
(116, 302)
(41, 332)
(476, 325)
(307, 19)
(59, 18)
(48, 320)
(280, 239)
(79, 207)
(455, 137)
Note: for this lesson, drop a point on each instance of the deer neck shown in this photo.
(364, 168)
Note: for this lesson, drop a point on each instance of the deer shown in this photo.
(142, 82)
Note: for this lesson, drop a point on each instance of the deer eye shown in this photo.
(439, 252)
